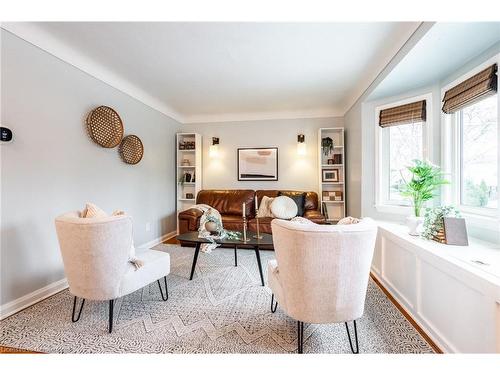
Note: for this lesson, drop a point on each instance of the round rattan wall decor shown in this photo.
(105, 127)
(131, 149)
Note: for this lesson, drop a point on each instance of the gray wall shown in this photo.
(295, 172)
(52, 166)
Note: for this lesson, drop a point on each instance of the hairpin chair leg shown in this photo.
(235, 256)
(163, 297)
(111, 305)
(300, 337)
(73, 319)
(355, 337)
(273, 306)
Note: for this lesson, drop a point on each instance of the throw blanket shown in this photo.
(210, 214)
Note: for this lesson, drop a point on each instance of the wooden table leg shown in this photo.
(235, 256)
(257, 254)
(196, 252)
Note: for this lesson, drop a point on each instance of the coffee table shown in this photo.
(255, 243)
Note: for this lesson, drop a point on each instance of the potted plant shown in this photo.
(425, 180)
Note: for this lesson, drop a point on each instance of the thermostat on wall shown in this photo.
(5, 135)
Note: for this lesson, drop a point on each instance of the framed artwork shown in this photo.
(258, 164)
(330, 175)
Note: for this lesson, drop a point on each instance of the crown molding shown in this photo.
(40, 38)
(259, 116)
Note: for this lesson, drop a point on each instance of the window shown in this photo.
(405, 145)
(402, 134)
(478, 154)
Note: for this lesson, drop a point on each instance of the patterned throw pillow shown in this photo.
(265, 207)
(92, 211)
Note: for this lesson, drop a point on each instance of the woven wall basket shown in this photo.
(105, 127)
(131, 149)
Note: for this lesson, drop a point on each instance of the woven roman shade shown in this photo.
(472, 90)
(403, 114)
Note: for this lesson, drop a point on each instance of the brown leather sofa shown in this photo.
(229, 203)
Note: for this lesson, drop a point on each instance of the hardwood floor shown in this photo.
(173, 241)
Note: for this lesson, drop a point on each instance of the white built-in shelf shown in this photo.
(333, 209)
(194, 157)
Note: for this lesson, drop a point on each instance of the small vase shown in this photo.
(414, 224)
(211, 226)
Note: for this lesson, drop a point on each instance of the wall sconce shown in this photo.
(301, 144)
(214, 148)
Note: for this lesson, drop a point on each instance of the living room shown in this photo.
(249, 187)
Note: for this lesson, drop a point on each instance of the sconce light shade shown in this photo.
(214, 148)
(301, 144)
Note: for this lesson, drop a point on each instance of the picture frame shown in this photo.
(257, 164)
(330, 175)
(330, 161)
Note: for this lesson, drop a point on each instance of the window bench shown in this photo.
(452, 292)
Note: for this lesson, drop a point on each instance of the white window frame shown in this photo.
(450, 154)
(382, 201)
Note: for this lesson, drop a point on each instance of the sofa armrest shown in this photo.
(315, 216)
(189, 220)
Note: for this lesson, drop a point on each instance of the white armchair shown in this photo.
(95, 254)
(321, 272)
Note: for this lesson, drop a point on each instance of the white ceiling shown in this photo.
(198, 72)
(444, 49)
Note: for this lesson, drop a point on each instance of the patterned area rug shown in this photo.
(222, 310)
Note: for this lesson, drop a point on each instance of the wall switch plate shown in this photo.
(148, 227)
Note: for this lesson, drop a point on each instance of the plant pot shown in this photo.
(414, 224)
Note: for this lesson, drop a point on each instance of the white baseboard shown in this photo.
(23, 302)
(157, 241)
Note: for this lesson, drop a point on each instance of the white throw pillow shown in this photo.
(284, 207)
(265, 207)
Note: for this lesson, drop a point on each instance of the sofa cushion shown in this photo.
(311, 202)
(264, 224)
(232, 222)
(228, 202)
(298, 197)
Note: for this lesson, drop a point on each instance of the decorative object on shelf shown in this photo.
(182, 146)
(5, 135)
(214, 148)
(426, 178)
(330, 175)
(330, 161)
(301, 145)
(193, 180)
(187, 177)
(327, 145)
(105, 127)
(434, 222)
(189, 196)
(258, 164)
(185, 163)
(332, 196)
(189, 145)
(131, 149)
(337, 158)
(182, 179)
